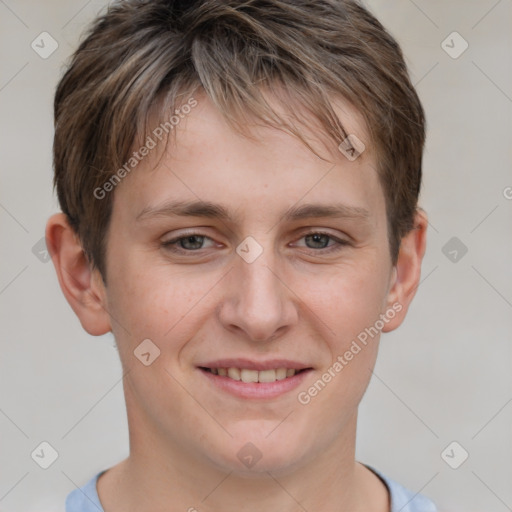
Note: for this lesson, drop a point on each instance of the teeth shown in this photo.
(246, 375)
(281, 373)
(267, 376)
(234, 373)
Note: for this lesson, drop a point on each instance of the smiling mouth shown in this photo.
(247, 375)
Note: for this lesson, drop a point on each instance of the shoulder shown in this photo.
(402, 499)
(85, 499)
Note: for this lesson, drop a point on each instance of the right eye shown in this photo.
(189, 243)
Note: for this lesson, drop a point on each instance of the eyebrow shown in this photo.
(217, 211)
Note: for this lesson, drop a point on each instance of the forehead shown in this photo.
(291, 115)
(207, 159)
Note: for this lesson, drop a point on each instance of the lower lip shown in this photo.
(256, 389)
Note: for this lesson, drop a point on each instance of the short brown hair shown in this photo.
(146, 52)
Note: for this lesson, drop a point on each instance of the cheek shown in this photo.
(348, 307)
(346, 304)
(167, 308)
(155, 302)
(346, 300)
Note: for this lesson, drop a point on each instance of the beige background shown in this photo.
(443, 377)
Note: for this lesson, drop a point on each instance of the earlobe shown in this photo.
(81, 285)
(407, 271)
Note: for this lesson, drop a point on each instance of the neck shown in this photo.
(172, 479)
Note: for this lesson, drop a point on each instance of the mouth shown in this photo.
(248, 375)
(248, 379)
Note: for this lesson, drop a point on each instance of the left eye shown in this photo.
(324, 242)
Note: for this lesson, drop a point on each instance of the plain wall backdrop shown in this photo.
(443, 377)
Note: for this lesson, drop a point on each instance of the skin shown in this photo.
(294, 301)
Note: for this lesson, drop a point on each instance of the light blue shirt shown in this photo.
(86, 498)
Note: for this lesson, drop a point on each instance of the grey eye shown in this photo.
(317, 241)
(192, 242)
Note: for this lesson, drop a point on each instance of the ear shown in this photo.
(407, 271)
(82, 286)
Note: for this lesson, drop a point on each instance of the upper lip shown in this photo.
(249, 364)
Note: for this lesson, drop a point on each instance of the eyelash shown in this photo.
(172, 246)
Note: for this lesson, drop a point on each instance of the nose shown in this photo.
(258, 303)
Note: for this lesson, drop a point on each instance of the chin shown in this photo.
(253, 456)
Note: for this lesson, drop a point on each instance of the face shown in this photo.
(254, 258)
